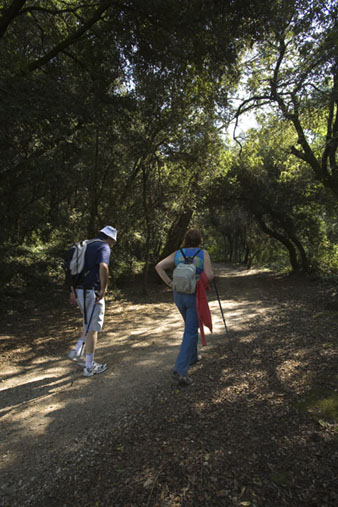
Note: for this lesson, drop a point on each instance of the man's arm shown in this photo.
(104, 276)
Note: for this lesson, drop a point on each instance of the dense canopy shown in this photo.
(119, 112)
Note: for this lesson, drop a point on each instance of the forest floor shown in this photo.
(258, 427)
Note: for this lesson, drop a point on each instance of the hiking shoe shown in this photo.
(182, 380)
(96, 368)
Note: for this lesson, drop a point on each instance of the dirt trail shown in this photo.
(49, 411)
(46, 404)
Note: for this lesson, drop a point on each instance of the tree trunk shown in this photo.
(288, 226)
(148, 231)
(231, 247)
(247, 254)
(93, 193)
(302, 253)
(285, 241)
(177, 232)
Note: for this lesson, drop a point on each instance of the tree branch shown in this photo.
(54, 11)
(74, 37)
(9, 14)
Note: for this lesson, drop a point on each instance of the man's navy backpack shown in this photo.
(184, 275)
(75, 262)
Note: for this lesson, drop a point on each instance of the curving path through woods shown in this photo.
(61, 434)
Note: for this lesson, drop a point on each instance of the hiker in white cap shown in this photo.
(90, 294)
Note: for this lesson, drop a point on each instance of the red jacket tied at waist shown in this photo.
(202, 307)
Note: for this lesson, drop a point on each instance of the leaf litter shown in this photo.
(250, 431)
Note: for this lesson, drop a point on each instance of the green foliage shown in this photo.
(112, 114)
(26, 268)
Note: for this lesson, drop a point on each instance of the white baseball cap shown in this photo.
(110, 231)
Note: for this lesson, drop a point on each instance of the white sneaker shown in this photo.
(96, 368)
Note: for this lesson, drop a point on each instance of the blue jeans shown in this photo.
(186, 303)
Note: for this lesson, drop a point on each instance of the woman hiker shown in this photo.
(186, 303)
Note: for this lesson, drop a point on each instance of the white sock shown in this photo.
(89, 360)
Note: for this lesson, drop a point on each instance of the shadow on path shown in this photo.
(49, 412)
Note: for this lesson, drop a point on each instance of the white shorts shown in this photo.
(94, 310)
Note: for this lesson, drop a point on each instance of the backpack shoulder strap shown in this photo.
(88, 241)
(185, 258)
(198, 251)
(191, 258)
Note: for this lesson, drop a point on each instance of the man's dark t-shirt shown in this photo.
(97, 252)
